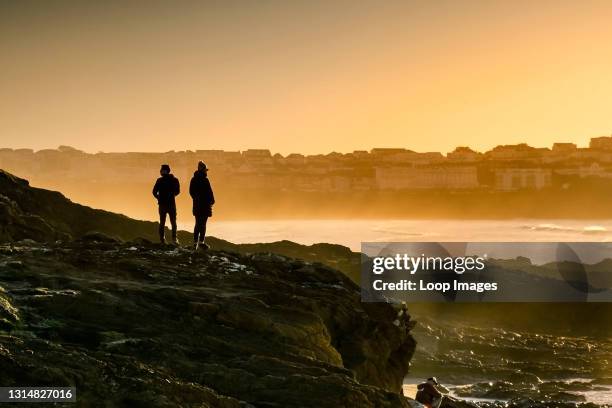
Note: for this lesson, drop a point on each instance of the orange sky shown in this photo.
(304, 76)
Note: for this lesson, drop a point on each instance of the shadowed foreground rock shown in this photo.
(144, 325)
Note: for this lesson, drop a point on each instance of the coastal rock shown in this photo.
(145, 325)
(516, 368)
(8, 313)
(531, 403)
(47, 216)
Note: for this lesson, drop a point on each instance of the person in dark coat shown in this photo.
(166, 188)
(203, 200)
(428, 394)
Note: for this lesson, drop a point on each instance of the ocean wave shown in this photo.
(594, 229)
(589, 229)
(548, 227)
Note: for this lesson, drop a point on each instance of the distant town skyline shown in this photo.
(98, 179)
(308, 77)
(43, 145)
(607, 139)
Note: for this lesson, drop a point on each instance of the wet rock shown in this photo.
(524, 378)
(531, 403)
(603, 381)
(558, 386)
(462, 354)
(510, 365)
(450, 402)
(566, 396)
(493, 390)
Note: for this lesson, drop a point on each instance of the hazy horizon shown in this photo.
(304, 77)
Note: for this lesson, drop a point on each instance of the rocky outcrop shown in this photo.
(130, 323)
(136, 324)
(521, 368)
(47, 216)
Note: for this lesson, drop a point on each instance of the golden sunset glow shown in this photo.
(308, 77)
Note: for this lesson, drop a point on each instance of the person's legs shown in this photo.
(196, 229)
(203, 228)
(172, 213)
(162, 224)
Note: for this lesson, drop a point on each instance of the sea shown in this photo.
(351, 233)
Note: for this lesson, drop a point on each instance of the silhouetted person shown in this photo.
(203, 200)
(166, 188)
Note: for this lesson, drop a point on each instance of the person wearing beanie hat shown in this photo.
(203, 200)
(165, 189)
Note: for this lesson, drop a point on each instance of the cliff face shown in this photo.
(138, 324)
(147, 326)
